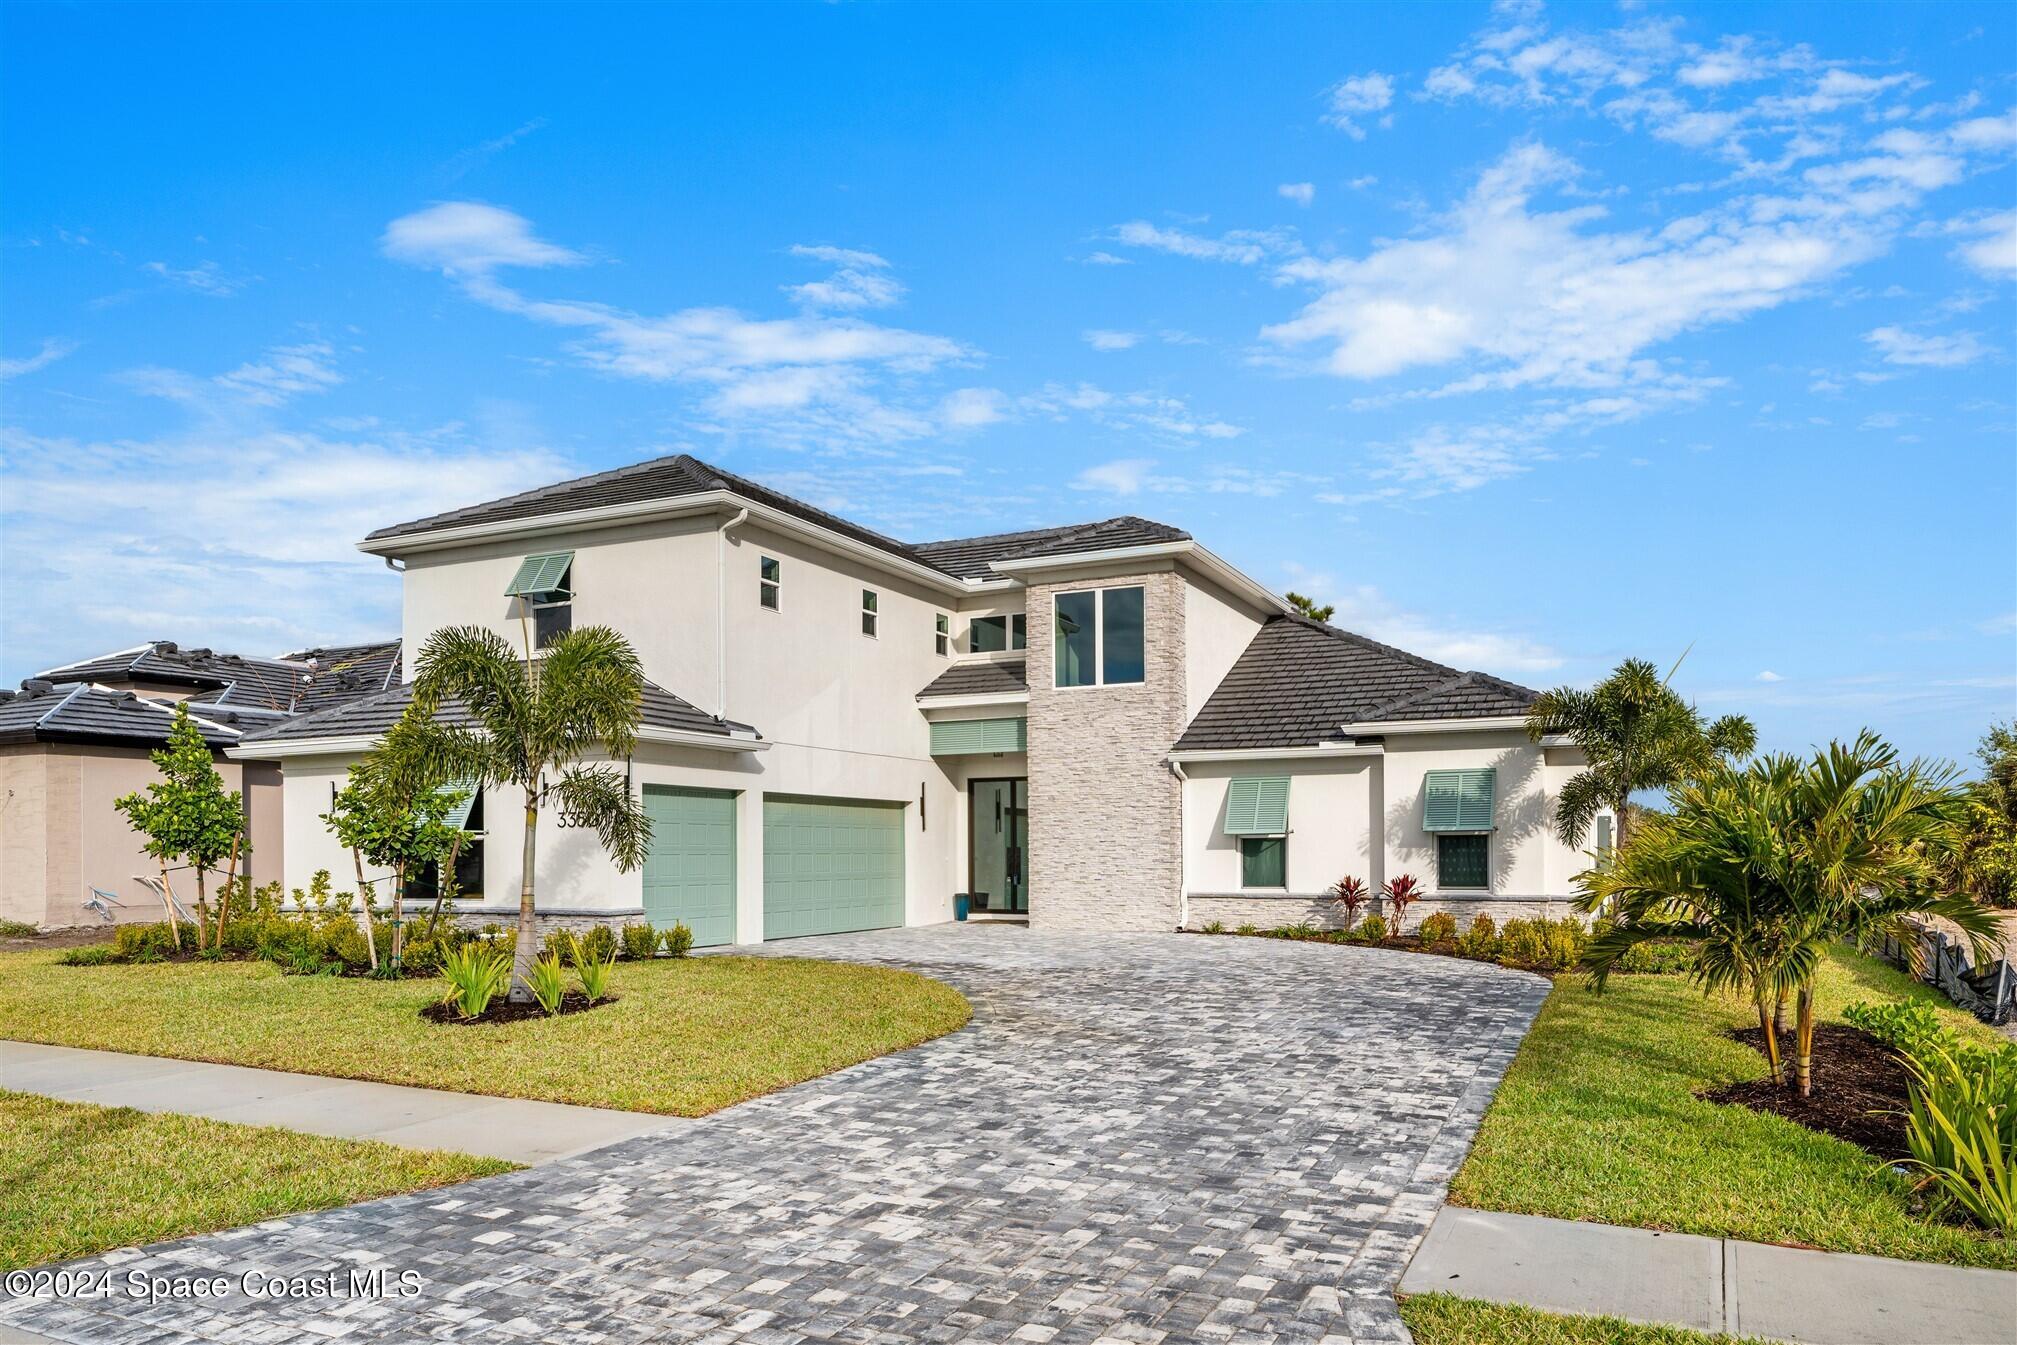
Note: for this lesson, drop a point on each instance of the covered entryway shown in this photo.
(831, 866)
(689, 873)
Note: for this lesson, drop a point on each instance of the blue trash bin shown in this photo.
(961, 904)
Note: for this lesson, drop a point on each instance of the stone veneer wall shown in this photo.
(1106, 813)
(1265, 912)
(546, 922)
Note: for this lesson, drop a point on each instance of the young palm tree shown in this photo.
(1769, 865)
(1636, 733)
(534, 720)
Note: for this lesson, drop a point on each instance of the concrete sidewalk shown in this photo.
(1711, 1284)
(418, 1118)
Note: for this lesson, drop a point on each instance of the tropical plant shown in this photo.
(591, 966)
(1308, 606)
(476, 974)
(677, 941)
(1350, 894)
(1908, 1026)
(186, 814)
(1984, 859)
(549, 983)
(1401, 891)
(1961, 1131)
(1635, 733)
(531, 723)
(393, 818)
(1765, 866)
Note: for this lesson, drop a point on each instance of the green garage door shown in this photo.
(831, 865)
(689, 875)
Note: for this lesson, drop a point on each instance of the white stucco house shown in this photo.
(1103, 726)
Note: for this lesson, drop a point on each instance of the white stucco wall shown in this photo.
(1217, 630)
(1331, 823)
(1526, 859)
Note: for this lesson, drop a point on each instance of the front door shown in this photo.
(998, 854)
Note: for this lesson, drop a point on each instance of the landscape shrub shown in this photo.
(476, 973)
(1657, 957)
(677, 941)
(1961, 1130)
(1542, 944)
(1372, 929)
(1481, 940)
(639, 940)
(1912, 1027)
(548, 983)
(147, 943)
(599, 940)
(17, 929)
(592, 967)
(1439, 927)
(91, 955)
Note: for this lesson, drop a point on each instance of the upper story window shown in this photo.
(1097, 637)
(769, 582)
(546, 584)
(991, 634)
(868, 612)
(941, 638)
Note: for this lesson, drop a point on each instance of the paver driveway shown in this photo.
(1140, 1137)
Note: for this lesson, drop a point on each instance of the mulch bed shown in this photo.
(502, 1010)
(77, 937)
(1859, 1089)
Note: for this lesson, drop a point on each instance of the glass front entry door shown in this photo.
(998, 853)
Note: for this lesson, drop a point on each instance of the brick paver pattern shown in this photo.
(1141, 1138)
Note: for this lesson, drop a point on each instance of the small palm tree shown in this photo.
(1767, 866)
(536, 719)
(1636, 733)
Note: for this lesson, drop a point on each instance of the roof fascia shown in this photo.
(1318, 752)
(1481, 724)
(1189, 552)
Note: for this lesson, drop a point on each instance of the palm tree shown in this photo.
(534, 721)
(1636, 733)
(1769, 865)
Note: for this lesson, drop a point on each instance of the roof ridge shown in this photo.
(138, 651)
(1340, 633)
(607, 473)
(76, 689)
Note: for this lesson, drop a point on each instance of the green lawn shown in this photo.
(1596, 1120)
(82, 1179)
(1438, 1319)
(688, 1035)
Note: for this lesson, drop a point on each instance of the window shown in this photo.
(426, 885)
(868, 612)
(941, 639)
(546, 583)
(992, 634)
(1097, 637)
(769, 581)
(1464, 860)
(1604, 841)
(1264, 861)
(550, 620)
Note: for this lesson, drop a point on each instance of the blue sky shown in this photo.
(1532, 338)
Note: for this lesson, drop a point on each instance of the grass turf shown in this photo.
(1438, 1319)
(687, 1036)
(82, 1179)
(1597, 1119)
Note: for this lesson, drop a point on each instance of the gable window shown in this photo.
(868, 612)
(1457, 811)
(992, 634)
(1264, 861)
(1098, 638)
(546, 584)
(941, 639)
(769, 582)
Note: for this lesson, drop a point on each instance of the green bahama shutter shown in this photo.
(1257, 805)
(968, 737)
(1458, 800)
(458, 816)
(539, 577)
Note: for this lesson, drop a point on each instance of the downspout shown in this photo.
(721, 611)
(1183, 848)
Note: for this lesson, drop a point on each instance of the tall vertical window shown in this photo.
(1097, 637)
(546, 585)
(1604, 838)
(868, 612)
(769, 581)
(1264, 861)
(941, 639)
(991, 634)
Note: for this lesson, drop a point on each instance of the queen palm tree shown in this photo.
(1769, 865)
(1635, 733)
(531, 723)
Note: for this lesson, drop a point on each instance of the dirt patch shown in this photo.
(502, 1010)
(1859, 1089)
(60, 938)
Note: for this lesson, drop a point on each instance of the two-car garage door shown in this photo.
(829, 865)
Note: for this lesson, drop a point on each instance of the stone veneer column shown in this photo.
(1105, 813)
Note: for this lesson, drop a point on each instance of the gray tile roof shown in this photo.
(83, 712)
(372, 715)
(972, 557)
(345, 671)
(1299, 681)
(274, 684)
(980, 679)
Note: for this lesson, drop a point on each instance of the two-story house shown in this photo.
(1104, 726)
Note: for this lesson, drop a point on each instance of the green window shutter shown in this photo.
(1257, 805)
(539, 577)
(970, 737)
(1458, 800)
(458, 816)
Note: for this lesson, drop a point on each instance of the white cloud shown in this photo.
(1302, 193)
(1732, 63)
(1769, 676)
(1361, 183)
(284, 372)
(204, 277)
(53, 349)
(1365, 610)
(1244, 247)
(1102, 339)
(1356, 97)
(1992, 245)
(1106, 259)
(1986, 133)
(860, 280)
(1123, 476)
(464, 238)
(971, 408)
(1899, 346)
